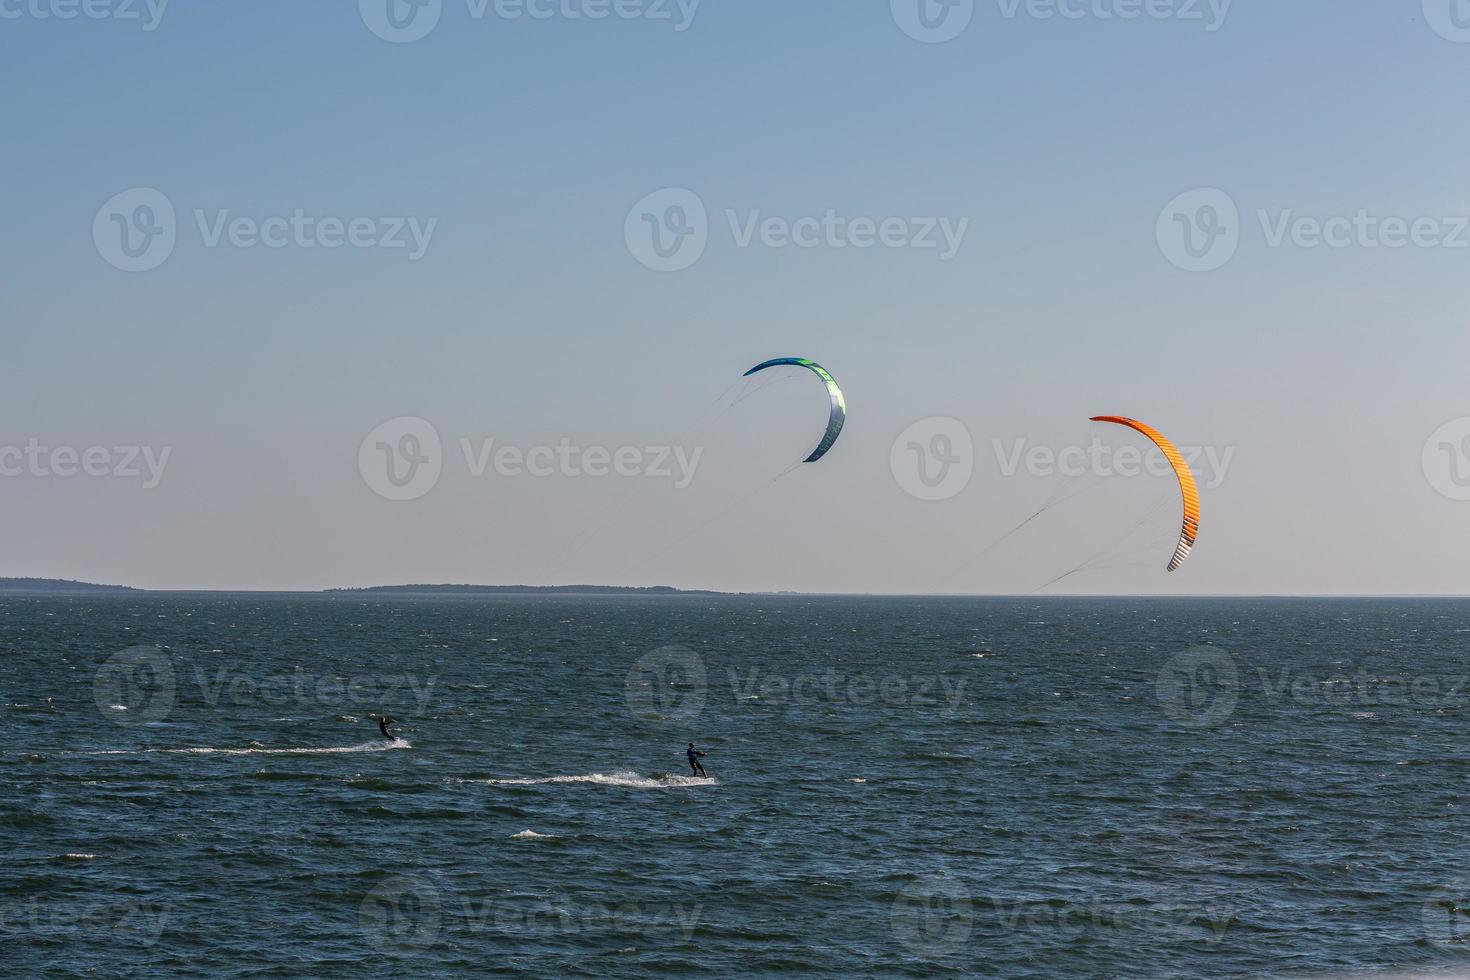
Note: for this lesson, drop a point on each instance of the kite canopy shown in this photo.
(1186, 484)
(839, 404)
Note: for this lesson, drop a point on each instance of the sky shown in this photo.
(257, 254)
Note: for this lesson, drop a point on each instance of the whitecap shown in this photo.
(375, 746)
(532, 835)
(627, 779)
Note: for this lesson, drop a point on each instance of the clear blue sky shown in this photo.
(529, 320)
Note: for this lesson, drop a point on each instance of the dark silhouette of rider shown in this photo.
(694, 756)
(383, 724)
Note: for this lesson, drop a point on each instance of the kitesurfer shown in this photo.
(383, 724)
(694, 756)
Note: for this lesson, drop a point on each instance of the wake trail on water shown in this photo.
(337, 750)
(628, 779)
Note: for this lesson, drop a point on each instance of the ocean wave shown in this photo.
(532, 835)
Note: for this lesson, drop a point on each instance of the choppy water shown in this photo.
(917, 787)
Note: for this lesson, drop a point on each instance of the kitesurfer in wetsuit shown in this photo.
(694, 756)
(383, 724)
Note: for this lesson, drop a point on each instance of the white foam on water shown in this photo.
(376, 746)
(627, 779)
(78, 857)
(531, 835)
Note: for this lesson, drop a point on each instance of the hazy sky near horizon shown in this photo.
(1244, 223)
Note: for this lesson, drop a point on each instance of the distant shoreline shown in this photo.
(518, 590)
(46, 586)
(68, 587)
(58, 586)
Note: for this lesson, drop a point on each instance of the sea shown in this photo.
(195, 785)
